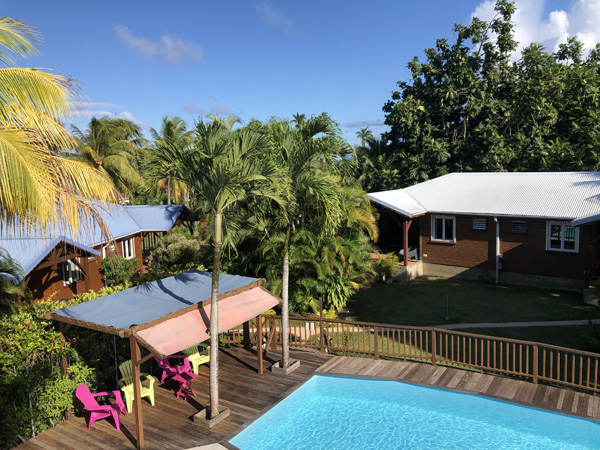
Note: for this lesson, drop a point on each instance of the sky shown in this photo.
(143, 60)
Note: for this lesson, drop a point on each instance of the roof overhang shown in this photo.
(398, 201)
(587, 220)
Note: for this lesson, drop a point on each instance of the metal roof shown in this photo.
(551, 195)
(29, 250)
(150, 301)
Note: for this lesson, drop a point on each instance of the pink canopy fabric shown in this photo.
(181, 332)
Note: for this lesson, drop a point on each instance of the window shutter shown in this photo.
(518, 226)
(479, 224)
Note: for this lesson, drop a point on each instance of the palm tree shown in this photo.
(38, 189)
(223, 170)
(112, 146)
(173, 136)
(299, 119)
(305, 156)
(364, 134)
(10, 288)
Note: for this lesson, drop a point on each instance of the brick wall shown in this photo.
(523, 253)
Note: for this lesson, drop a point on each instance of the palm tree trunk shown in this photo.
(214, 318)
(168, 191)
(285, 283)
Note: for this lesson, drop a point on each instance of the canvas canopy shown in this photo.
(118, 313)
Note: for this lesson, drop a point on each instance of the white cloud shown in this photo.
(89, 112)
(364, 123)
(217, 109)
(274, 17)
(532, 24)
(169, 49)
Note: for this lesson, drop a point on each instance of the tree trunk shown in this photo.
(168, 191)
(285, 283)
(214, 318)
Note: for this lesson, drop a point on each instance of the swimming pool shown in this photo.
(349, 413)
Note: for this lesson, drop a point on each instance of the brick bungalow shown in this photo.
(65, 265)
(536, 229)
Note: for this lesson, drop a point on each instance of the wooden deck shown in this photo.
(168, 424)
(511, 390)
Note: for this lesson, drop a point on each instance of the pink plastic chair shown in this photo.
(100, 411)
(169, 369)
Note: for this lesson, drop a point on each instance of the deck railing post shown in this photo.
(321, 336)
(433, 347)
(535, 364)
(376, 342)
(259, 348)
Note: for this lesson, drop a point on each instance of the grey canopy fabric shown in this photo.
(151, 301)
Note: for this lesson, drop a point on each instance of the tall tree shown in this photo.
(223, 170)
(38, 189)
(172, 137)
(470, 107)
(10, 287)
(364, 134)
(111, 145)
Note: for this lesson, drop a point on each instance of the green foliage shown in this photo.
(175, 251)
(467, 107)
(118, 270)
(593, 336)
(10, 271)
(387, 266)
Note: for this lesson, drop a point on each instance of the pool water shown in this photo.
(349, 413)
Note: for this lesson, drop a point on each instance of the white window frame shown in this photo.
(562, 237)
(434, 239)
(131, 245)
(71, 273)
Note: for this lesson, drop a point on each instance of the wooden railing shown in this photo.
(529, 360)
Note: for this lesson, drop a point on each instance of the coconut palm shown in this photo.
(112, 146)
(364, 134)
(38, 189)
(10, 288)
(223, 170)
(173, 136)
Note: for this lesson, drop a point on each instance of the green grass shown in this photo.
(423, 303)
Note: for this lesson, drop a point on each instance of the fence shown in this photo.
(529, 360)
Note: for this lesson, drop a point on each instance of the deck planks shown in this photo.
(508, 389)
(168, 425)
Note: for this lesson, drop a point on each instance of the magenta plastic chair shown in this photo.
(169, 369)
(100, 411)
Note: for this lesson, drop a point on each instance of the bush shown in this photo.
(176, 252)
(387, 266)
(118, 270)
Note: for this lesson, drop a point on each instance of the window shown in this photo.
(71, 272)
(518, 226)
(128, 248)
(562, 237)
(108, 250)
(443, 229)
(479, 224)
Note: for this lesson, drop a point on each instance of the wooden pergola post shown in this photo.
(135, 365)
(259, 349)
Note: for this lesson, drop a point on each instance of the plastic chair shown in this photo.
(169, 369)
(126, 385)
(100, 411)
(195, 358)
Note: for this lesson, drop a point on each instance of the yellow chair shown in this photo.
(195, 358)
(126, 385)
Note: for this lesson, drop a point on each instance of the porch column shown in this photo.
(405, 226)
(137, 394)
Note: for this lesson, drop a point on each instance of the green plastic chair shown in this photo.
(126, 385)
(195, 358)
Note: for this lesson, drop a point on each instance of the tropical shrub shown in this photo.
(176, 251)
(118, 270)
(387, 266)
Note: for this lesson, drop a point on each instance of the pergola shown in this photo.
(167, 316)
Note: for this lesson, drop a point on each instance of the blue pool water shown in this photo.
(350, 413)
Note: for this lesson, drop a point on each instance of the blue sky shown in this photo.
(145, 60)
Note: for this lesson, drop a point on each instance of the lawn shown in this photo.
(423, 303)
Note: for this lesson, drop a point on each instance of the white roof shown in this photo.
(551, 195)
